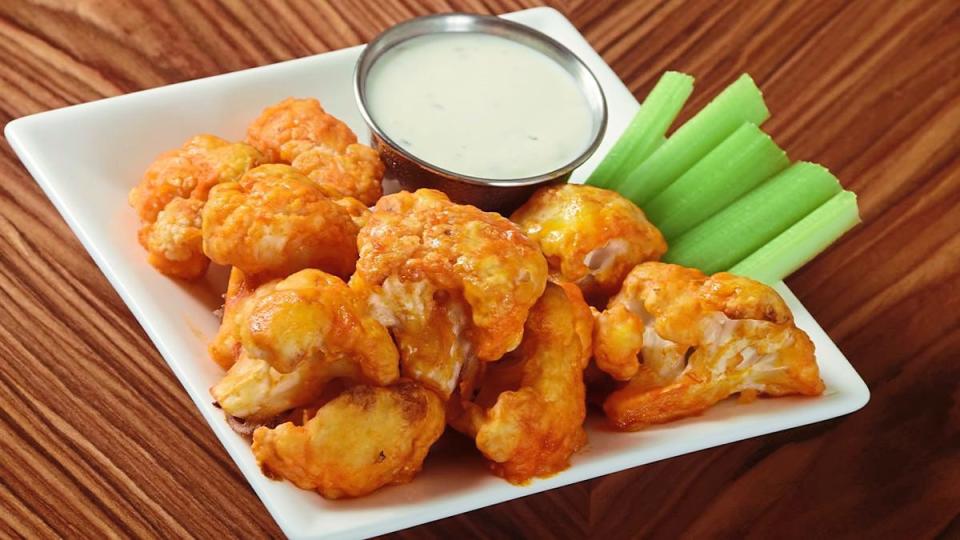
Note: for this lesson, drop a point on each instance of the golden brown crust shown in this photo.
(275, 220)
(174, 242)
(423, 236)
(172, 192)
(284, 130)
(583, 317)
(527, 417)
(685, 341)
(590, 236)
(447, 276)
(357, 172)
(315, 316)
(225, 346)
(286, 340)
(367, 438)
(254, 392)
(740, 298)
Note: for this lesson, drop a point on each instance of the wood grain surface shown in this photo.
(97, 438)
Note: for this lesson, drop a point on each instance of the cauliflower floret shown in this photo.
(284, 130)
(182, 178)
(174, 242)
(686, 341)
(190, 171)
(172, 175)
(276, 220)
(299, 132)
(312, 315)
(429, 325)
(357, 172)
(626, 327)
(591, 236)
(230, 161)
(527, 417)
(364, 439)
(449, 280)
(285, 340)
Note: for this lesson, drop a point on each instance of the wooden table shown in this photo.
(97, 438)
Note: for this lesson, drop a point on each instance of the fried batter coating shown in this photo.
(450, 281)
(284, 130)
(301, 133)
(701, 339)
(357, 172)
(172, 192)
(429, 325)
(174, 174)
(366, 438)
(190, 171)
(583, 319)
(528, 416)
(276, 220)
(290, 338)
(626, 328)
(242, 292)
(255, 392)
(314, 316)
(174, 242)
(358, 211)
(591, 236)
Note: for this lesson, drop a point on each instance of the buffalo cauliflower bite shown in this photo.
(686, 341)
(190, 171)
(276, 220)
(364, 439)
(172, 191)
(174, 174)
(284, 130)
(290, 337)
(299, 132)
(312, 315)
(527, 417)
(626, 327)
(590, 236)
(174, 242)
(450, 281)
(357, 172)
(428, 324)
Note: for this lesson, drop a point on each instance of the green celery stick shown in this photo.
(758, 217)
(646, 130)
(741, 162)
(803, 241)
(738, 103)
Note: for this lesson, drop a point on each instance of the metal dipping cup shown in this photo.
(501, 195)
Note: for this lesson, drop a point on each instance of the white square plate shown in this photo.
(87, 158)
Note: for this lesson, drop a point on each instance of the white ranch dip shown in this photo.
(479, 105)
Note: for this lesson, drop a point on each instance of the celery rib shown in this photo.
(646, 130)
(738, 103)
(738, 164)
(735, 232)
(803, 241)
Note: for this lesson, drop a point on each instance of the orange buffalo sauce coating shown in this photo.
(693, 340)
